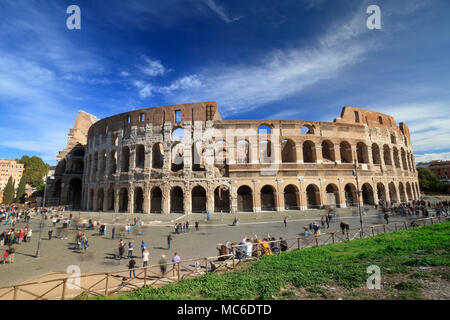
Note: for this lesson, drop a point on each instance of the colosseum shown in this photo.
(186, 158)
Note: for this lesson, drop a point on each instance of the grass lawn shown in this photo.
(335, 271)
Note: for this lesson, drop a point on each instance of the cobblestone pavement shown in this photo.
(57, 254)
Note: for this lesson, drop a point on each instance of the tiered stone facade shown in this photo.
(137, 162)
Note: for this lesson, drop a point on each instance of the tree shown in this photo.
(20, 195)
(35, 170)
(8, 192)
(429, 182)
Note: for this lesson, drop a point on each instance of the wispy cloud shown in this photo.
(220, 11)
(152, 68)
(427, 157)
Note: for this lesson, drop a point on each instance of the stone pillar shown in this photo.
(165, 205)
(105, 200)
(369, 155)
(187, 199)
(299, 153)
(130, 199)
(210, 197)
(147, 198)
(256, 197)
(233, 201)
(254, 156)
(319, 158)
(116, 199)
(132, 158)
(337, 153)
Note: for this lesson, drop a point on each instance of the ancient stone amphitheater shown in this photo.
(185, 158)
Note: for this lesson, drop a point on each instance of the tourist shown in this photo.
(285, 222)
(131, 265)
(266, 247)
(187, 226)
(5, 255)
(196, 225)
(121, 249)
(386, 217)
(84, 243)
(50, 232)
(283, 245)
(112, 232)
(163, 265)
(176, 259)
(222, 251)
(249, 247)
(143, 247)
(145, 257)
(130, 249)
(11, 253)
(169, 241)
(274, 246)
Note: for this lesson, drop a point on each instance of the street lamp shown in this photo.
(41, 225)
(355, 173)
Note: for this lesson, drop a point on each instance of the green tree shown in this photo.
(35, 170)
(429, 182)
(8, 192)
(20, 195)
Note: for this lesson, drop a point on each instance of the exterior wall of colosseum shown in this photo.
(138, 162)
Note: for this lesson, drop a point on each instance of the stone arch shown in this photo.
(100, 199)
(291, 201)
(245, 199)
(268, 202)
(140, 156)
(125, 159)
(102, 162)
(265, 151)
(91, 200)
(313, 196)
(288, 151)
(409, 192)
(381, 191)
(307, 129)
(220, 152)
(198, 199)
(393, 139)
(177, 200)
(351, 198)
(74, 194)
(405, 165)
(123, 200)
(156, 200)
(243, 151)
(95, 169)
(362, 153)
(309, 152)
(367, 194)
(178, 134)
(57, 190)
(138, 200)
(177, 163)
(198, 156)
(157, 156)
(110, 198)
(113, 162)
(264, 129)
(396, 158)
(387, 155)
(346, 152)
(328, 151)
(376, 156)
(393, 192)
(332, 195)
(222, 199)
(401, 191)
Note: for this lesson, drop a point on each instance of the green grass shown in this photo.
(341, 264)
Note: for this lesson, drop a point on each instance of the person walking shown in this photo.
(50, 232)
(196, 225)
(145, 257)
(131, 265)
(143, 247)
(169, 241)
(386, 217)
(130, 248)
(176, 259)
(163, 265)
(112, 232)
(11, 254)
(121, 249)
(285, 222)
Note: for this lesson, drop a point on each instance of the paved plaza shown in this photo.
(57, 254)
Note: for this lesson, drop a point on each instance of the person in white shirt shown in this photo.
(145, 257)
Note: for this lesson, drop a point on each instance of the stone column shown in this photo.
(256, 197)
(130, 198)
(187, 199)
(319, 158)
(165, 205)
(147, 198)
(116, 199)
(254, 156)
(299, 153)
(337, 153)
(210, 197)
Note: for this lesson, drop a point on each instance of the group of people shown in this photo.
(184, 227)
(252, 247)
(82, 241)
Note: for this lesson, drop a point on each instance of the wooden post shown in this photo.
(431, 220)
(298, 243)
(406, 225)
(64, 289)
(106, 285)
(395, 225)
(178, 271)
(16, 290)
(373, 232)
(206, 265)
(384, 228)
(317, 242)
(145, 276)
(439, 219)
(348, 236)
(332, 236)
(233, 252)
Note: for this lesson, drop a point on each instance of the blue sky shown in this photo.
(274, 59)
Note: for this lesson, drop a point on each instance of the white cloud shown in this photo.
(427, 157)
(145, 89)
(152, 67)
(220, 11)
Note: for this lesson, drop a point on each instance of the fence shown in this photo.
(113, 283)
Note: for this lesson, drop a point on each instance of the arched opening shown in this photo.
(198, 157)
(351, 199)
(77, 166)
(268, 198)
(157, 156)
(125, 159)
(177, 200)
(242, 152)
(57, 190)
(401, 191)
(138, 200)
(396, 158)
(220, 152)
(110, 198)
(393, 139)
(408, 191)
(245, 199)
(156, 200)
(376, 156)
(309, 152)
(177, 157)
(332, 195)
(393, 192)
(346, 152)
(100, 199)
(264, 129)
(367, 194)
(313, 197)
(291, 198)
(123, 200)
(102, 163)
(95, 169)
(381, 192)
(307, 129)
(362, 153)
(178, 134)
(288, 151)
(387, 155)
(221, 199)
(74, 194)
(405, 165)
(198, 199)
(91, 200)
(328, 151)
(265, 151)
(113, 162)
(140, 156)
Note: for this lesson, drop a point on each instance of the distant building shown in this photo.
(440, 168)
(10, 168)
